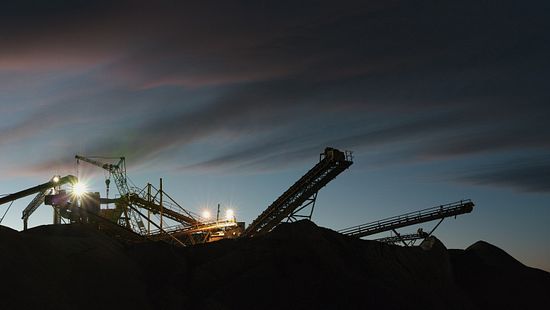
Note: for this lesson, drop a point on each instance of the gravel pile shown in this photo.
(297, 266)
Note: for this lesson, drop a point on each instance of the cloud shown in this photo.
(523, 174)
(445, 80)
(286, 148)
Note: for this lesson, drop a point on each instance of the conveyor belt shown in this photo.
(426, 215)
(332, 163)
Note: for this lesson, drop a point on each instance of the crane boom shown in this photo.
(108, 167)
(118, 171)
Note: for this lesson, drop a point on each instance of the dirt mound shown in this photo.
(494, 279)
(67, 267)
(302, 266)
(298, 265)
(493, 256)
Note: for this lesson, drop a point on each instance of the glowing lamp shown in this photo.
(79, 189)
(229, 214)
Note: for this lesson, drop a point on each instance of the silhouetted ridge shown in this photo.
(296, 266)
(7, 230)
(493, 279)
(493, 256)
(298, 228)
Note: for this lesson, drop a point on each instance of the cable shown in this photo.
(6, 211)
(77, 164)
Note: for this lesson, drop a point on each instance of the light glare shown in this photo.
(79, 189)
(229, 214)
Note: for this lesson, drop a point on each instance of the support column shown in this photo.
(149, 211)
(161, 207)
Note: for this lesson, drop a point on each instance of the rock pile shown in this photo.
(297, 266)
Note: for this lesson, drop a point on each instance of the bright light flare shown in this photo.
(79, 189)
(55, 179)
(229, 214)
(206, 214)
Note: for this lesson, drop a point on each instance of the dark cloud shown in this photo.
(285, 148)
(449, 80)
(530, 174)
(501, 139)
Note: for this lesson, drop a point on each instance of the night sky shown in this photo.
(232, 101)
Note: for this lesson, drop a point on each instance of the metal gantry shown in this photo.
(125, 220)
(33, 205)
(41, 191)
(36, 189)
(405, 239)
(133, 198)
(138, 205)
(302, 194)
(169, 208)
(392, 223)
(118, 171)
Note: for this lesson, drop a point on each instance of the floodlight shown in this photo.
(79, 189)
(229, 214)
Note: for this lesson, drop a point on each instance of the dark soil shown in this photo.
(297, 266)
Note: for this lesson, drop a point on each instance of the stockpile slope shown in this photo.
(495, 280)
(297, 266)
(303, 266)
(67, 267)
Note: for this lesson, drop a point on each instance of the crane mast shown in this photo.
(118, 171)
(134, 198)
